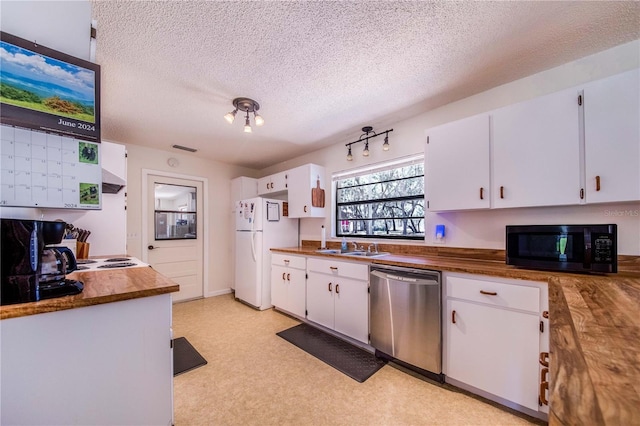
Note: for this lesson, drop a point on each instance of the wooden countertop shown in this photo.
(594, 325)
(112, 285)
(595, 350)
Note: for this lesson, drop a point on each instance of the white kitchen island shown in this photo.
(106, 361)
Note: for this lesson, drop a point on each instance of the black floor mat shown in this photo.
(345, 357)
(185, 356)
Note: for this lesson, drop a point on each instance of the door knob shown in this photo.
(150, 247)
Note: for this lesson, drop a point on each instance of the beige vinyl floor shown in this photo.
(254, 377)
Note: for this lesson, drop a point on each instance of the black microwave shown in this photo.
(574, 248)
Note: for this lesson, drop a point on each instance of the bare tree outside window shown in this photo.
(385, 203)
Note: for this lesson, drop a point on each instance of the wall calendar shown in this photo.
(45, 169)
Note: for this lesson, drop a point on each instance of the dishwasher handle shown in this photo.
(404, 278)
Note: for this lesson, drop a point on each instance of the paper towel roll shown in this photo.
(323, 240)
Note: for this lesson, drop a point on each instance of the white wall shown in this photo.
(485, 229)
(59, 25)
(221, 228)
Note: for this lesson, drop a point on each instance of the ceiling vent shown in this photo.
(184, 148)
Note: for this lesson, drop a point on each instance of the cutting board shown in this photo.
(317, 195)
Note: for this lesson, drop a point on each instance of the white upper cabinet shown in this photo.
(457, 165)
(612, 138)
(536, 152)
(273, 183)
(243, 188)
(306, 191)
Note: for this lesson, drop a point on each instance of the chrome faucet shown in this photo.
(355, 245)
(375, 248)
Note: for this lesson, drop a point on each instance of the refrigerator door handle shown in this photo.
(253, 245)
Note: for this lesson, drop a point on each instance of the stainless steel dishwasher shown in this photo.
(406, 317)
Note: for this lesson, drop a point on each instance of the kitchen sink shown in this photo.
(353, 253)
(366, 253)
(328, 251)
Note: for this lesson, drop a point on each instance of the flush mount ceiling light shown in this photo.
(365, 138)
(247, 105)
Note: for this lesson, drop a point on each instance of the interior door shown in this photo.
(176, 232)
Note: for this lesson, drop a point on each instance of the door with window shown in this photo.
(175, 232)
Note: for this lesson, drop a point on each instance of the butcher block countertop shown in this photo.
(594, 328)
(106, 286)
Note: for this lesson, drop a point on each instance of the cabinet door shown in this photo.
(279, 286)
(264, 185)
(352, 308)
(243, 188)
(320, 290)
(495, 350)
(612, 138)
(296, 297)
(307, 192)
(279, 182)
(457, 165)
(536, 152)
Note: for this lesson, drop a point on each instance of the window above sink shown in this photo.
(384, 201)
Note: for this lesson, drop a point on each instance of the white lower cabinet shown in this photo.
(494, 337)
(338, 296)
(288, 283)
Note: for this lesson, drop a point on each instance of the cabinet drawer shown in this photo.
(358, 271)
(494, 293)
(296, 262)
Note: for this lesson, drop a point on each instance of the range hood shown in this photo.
(111, 184)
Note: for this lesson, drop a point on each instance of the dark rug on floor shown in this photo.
(345, 357)
(185, 356)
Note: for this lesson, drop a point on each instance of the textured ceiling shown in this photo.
(322, 70)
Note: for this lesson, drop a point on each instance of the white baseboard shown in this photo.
(218, 292)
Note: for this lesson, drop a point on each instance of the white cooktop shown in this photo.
(107, 264)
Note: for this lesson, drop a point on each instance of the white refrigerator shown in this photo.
(260, 225)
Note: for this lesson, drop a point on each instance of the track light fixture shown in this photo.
(385, 145)
(365, 138)
(247, 105)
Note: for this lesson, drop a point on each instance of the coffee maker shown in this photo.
(31, 271)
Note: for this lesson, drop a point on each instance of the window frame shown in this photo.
(180, 213)
(373, 168)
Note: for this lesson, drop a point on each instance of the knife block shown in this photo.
(82, 250)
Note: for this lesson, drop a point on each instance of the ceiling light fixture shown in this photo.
(365, 138)
(385, 145)
(247, 105)
(247, 125)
